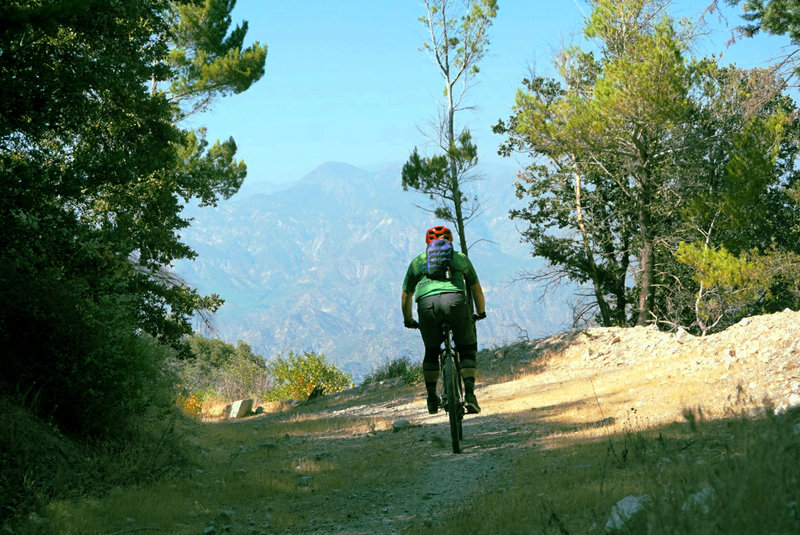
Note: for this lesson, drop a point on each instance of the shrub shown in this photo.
(191, 404)
(241, 378)
(221, 369)
(400, 367)
(77, 359)
(39, 463)
(297, 375)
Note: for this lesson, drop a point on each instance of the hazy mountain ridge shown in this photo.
(319, 265)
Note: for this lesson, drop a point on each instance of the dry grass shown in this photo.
(569, 466)
(250, 474)
(570, 426)
(614, 430)
(752, 468)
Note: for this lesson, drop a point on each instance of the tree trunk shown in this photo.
(605, 310)
(455, 188)
(646, 258)
(620, 288)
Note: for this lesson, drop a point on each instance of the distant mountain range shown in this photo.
(318, 265)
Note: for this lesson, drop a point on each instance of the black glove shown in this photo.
(411, 324)
(479, 316)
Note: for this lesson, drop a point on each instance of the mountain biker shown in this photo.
(445, 300)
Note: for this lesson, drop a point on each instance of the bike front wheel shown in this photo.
(453, 409)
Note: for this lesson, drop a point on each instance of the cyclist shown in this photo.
(445, 300)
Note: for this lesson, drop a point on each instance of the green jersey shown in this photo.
(418, 283)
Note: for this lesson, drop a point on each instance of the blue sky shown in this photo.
(346, 80)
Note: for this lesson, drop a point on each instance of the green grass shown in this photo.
(752, 468)
(261, 468)
(252, 474)
(38, 464)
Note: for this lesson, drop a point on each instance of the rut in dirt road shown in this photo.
(445, 481)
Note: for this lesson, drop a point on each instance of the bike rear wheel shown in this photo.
(461, 409)
(453, 407)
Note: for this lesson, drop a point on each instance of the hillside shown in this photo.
(571, 424)
(576, 386)
(318, 264)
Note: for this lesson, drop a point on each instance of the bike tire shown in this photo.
(453, 412)
(461, 409)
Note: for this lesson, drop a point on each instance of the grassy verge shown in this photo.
(41, 466)
(729, 476)
(282, 471)
(245, 476)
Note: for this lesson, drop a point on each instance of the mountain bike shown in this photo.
(452, 389)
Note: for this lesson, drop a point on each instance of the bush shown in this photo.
(241, 378)
(222, 369)
(296, 377)
(403, 368)
(75, 358)
(39, 463)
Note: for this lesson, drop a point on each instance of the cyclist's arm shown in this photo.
(406, 305)
(477, 296)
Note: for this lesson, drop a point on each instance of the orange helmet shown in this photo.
(438, 233)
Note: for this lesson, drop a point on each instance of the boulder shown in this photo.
(627, 514)
(700, 502)
(401, 425)
(241, 408)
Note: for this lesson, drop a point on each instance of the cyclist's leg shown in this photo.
(429, 320)
(467, 345)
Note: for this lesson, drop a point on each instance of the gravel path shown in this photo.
(599, 376)
(445, 480)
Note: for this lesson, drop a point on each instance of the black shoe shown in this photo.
(433, 403)
(472, 404)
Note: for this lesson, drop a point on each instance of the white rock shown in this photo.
(699, 501)
(624, 511)
(401, 425)
(681, 335)
(241, 408)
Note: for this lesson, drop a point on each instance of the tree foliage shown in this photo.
(725, 283)
(458, 31)
(609, 136)
(777, 17)
(639, 148)
(94, 171)
(208, 61)
(207, 57)
(228, 371)
(297, 375)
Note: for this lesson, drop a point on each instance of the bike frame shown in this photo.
(452, 388)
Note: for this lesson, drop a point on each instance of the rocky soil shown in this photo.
(593, 379)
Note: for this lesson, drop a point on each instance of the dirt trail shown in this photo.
(585, 382)
(446, 479)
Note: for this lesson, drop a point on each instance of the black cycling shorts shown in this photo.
(452, 308)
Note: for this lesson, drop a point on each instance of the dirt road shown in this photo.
(593, 382)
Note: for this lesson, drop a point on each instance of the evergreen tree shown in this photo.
(776, 17)
(208, 61)
(610, 135)
(93, 175)
(459, 38)
(639, 149)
